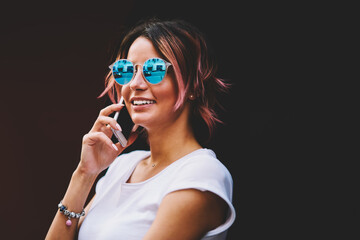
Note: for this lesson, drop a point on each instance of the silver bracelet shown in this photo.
(69, 214)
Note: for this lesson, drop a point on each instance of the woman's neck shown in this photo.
(171, 142)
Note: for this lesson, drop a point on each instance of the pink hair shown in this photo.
(185, 48)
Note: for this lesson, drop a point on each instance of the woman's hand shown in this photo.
(98, 151)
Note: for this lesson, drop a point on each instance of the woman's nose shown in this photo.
(138, 82)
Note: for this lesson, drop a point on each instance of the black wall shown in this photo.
(53, 61)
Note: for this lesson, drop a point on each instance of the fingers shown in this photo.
(101, 129)
(132, 137)
(104, 120)
(96, 137)
(110, 109)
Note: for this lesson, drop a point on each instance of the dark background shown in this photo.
(53, 61)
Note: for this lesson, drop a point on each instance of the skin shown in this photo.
(191, 210)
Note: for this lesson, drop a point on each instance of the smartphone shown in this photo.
(124, 120)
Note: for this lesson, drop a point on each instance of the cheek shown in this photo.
(167, 94)
(125, 92)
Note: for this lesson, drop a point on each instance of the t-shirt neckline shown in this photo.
(147, 154)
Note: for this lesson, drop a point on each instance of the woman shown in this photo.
(177, 190)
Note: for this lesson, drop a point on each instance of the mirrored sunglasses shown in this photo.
(153, 70)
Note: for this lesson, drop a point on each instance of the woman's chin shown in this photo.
(141, 121)
(147, 124)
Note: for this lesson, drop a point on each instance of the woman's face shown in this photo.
(150, 106)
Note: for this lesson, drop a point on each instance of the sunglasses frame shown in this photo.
(167, 64)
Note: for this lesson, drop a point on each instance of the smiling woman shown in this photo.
(193, 67)
(178, 189)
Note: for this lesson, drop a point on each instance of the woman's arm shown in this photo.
(97, 153)
(75, 197)
(187, 215)
(87, 208)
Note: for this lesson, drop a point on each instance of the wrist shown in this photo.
(78, 190)
(85, 173)
(85, 178)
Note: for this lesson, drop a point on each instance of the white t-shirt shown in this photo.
(126, 211)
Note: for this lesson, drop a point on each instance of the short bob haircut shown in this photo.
(185, 48)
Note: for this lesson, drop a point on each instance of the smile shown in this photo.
(142, 102)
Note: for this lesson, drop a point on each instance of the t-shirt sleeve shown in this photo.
(206, 174)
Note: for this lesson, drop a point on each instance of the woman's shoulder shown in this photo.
(201, 169)
(205, 162)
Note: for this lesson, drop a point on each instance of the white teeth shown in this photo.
(142, 102)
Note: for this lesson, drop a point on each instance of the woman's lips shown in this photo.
(141, 104)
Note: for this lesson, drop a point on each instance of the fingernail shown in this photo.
(114, 146)
(118, 127)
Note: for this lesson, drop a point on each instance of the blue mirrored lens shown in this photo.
(123, 71)
(154, 70)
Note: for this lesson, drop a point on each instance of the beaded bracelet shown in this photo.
(67, 213)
